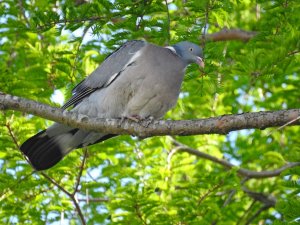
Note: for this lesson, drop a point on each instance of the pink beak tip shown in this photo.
(201, 62)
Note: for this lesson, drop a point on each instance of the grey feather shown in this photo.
(138, 80)
(106, 72)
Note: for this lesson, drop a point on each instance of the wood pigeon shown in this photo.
(137, 81)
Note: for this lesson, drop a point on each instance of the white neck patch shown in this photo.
(172, 49)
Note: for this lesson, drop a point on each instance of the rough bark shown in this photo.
(216, 125)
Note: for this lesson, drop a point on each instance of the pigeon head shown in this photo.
(189, 52)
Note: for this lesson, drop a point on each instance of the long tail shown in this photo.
(44, 151)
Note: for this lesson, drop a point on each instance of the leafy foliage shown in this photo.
(47, 47)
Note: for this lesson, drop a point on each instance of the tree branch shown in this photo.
(268, 201)
(93, 200)
(66, 21)
(70, 195)
(76, 189)
(216, 125)
(169, 21)
(241, 171)
(257, 213)
(229, 35)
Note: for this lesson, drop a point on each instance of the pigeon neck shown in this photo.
(175, 51)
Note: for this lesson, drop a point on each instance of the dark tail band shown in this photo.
(42, 151)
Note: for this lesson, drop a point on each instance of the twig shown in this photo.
(139, 214)
(94, 200)
(232, 193)
(169, 164)
(141, 19)
(246, 212)
(263, 198)
(13, 137)
(72, 74)
(65, 21)
(267, 200)
(257, 10)
(80, 172)
(241, 171)
(90, 175)
(11, 134)
(263, 208)
(230, 34)
(211, 190)
(229, 198)
(6, 192)
(284, 125)
(22, 9)
(70, 195)
(169, 22)
(169, 158)
(293, 52)
(205, 25)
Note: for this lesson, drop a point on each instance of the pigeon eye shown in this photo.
(191, 49)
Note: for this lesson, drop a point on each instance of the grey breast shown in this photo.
(149, 87)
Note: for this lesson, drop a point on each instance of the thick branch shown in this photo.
(230, 34)
(216, 125)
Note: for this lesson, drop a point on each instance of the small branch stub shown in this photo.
(230, 34)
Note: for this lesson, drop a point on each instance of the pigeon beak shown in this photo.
(200, 62)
